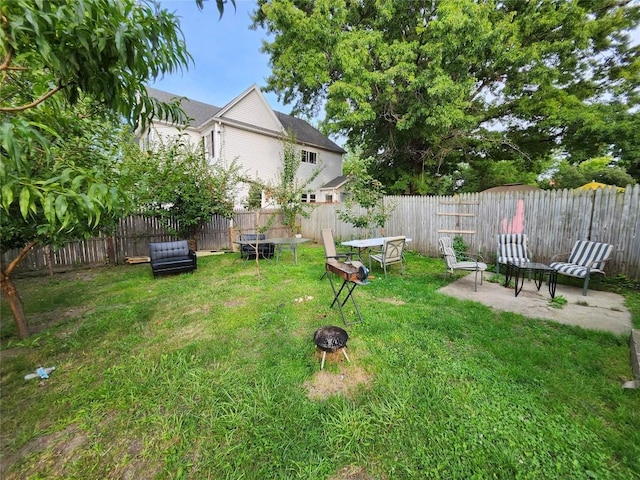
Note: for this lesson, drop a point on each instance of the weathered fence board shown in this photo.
(553, 220)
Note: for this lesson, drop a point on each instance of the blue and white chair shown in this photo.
(585, 259)
(512, 247)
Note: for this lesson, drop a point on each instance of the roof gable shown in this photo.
(251, 108)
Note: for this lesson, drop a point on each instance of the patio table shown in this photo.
(536, 270)
(287, 242)
(367, 244)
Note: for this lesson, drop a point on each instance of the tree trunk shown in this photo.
(193, 243)
(111, 251)
(12, 295)
(15, 303)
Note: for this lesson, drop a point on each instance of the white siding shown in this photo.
(253, 110)
(331, 164)
(258, 152)
(168, 131)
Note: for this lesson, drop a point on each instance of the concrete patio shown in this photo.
(598, 310)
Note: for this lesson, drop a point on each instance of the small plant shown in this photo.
(459, 246)
(558, 301)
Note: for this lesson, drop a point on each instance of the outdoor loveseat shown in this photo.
(171, 257)
(585, 259)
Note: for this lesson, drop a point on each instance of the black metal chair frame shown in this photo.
(350, 287)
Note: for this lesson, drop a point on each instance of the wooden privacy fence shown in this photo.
(553, 220)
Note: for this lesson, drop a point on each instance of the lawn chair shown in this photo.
(330, 253)
(392, 252)
(585, 259)
(469, 263)
(512, 247)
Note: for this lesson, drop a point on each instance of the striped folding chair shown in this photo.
(585, 259)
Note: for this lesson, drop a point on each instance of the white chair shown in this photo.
(392, 252)
(470, 263)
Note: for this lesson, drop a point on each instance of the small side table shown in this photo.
(538, 271)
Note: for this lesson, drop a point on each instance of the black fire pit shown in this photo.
(331, 339)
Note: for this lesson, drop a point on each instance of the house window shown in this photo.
(309, 157)
(308, 198)
(328, 198)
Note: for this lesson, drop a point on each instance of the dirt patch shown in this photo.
(234, 303)
(346, 381)
(393, 301)
(52, 452)
(44, 321)
(353, 472)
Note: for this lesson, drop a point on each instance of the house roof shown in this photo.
(200, 113)
(510, 187)
(335, 183)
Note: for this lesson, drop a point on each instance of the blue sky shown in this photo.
(226, 54)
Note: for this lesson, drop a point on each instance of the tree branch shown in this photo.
(16, 261)
(35, 103)
(7, 58)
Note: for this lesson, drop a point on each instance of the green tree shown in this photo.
(53, 56)
(600, 169)
(174, 181)
(364, 203)
(424, 86)
(68, 191)
(288, 189)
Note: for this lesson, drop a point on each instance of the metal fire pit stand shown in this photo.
(331, 339)
(349, 275)
(324, 356)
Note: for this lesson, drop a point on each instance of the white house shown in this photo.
(249, 130)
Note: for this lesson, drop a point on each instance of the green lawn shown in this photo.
(215, 375)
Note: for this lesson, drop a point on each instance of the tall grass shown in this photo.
(203, 376)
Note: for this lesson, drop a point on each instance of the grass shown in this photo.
(208, 375)
(559, 301)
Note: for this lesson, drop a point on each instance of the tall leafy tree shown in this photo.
(64, 64)
(426, 85)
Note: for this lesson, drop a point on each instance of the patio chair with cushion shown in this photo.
(261, 247)
(391, 253)
(585, 259)
(512, 247)
(467, 262)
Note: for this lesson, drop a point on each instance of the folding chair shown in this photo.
(392, 252)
